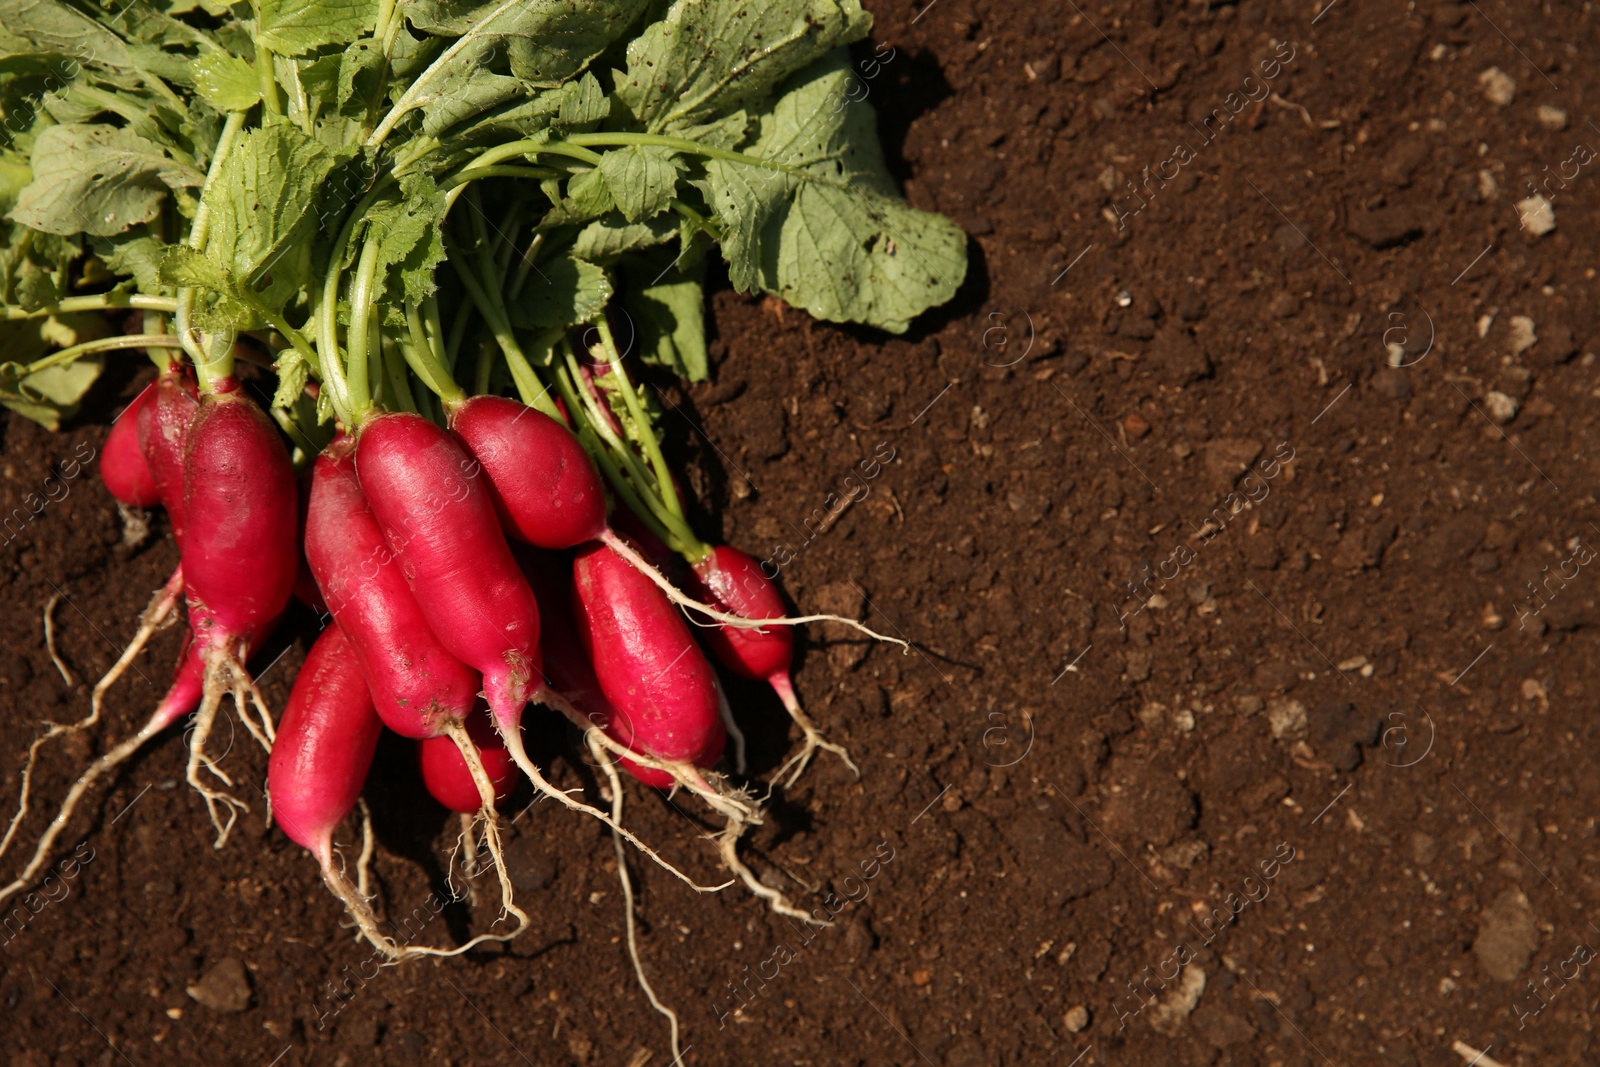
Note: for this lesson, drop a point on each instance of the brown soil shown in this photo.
(1341, 700)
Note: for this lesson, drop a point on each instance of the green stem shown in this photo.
(647, 434)
(424, 361)
(198, 231)
(104, 344)
(525, 267)
(399, 381)
(503, 170)
(332, 369)
(521, 370)
(268, 82)
(682, 144)
(358, 338)
(113, 301)
(430, 312)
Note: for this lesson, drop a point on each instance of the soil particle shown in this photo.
(224, 987)
(1507, 936)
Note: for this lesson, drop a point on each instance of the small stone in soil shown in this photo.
(1537, 215)
(1521, 336)
(1499, 88)
(225, 987)
(1076, 1018)
(1507, 936)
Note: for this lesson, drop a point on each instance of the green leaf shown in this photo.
(603, 240)
(588, 197)
(97, 180)
(65, 384)
(709, 57)
(669, 310)
(226, 82)
(293, 373)
(223, 303)
(51, 394)
(410, 233)
(295, 27)
(134, 255)
(263, 203)
(642, 178)
(54, 27)
(562, 291)
(827, 232)
(36, 289)
(544, 42)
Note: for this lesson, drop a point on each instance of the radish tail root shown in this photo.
(97, 770)
(726, 711)
(683, 600)
(157, 615)
(154, 618)
(615, 783)
(368, 842)
(204, 720)
(491, 820)
(729, 803)
(359, 909)
(469, 845)
(50, 641)
(813, 737)
(728, 846)
(242, 686)
(519, 755)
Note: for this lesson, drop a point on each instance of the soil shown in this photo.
(1255, 673)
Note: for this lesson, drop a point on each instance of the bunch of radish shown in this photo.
(466, 569)
(458, 469)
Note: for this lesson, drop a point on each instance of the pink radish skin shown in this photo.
(324, 748)
(239, 553)
(648, 664)
(445, 772)
(566, 664)
(435, 513)
(122, 465)
(545, 488)
(734, 582)
(417, 684)
(163, 434)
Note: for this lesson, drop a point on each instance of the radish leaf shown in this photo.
(828, 233)
(642, 179)
(295, 27)
(97, 180)
(708, 57)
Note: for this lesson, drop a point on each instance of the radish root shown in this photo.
(605, 763)
(728, 847)
(621, 547)
(491, 820)
(156, 617)
(519, 755)
(204, 720)
(50, 641)
(368, 844)
(97, 770)
(813, 737)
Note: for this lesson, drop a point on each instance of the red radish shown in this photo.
(435, 513)
(547, 492)
(239, 558)
(449, 779)
(324, 748)
(320, 761)
(122, 465)
(648, 664)
(433, 509)
(240, 554)
(545, 487)
(735, 582)
(163, 433)
(417, 684)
